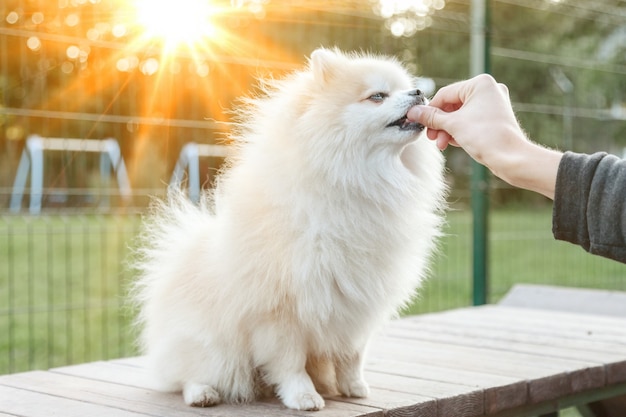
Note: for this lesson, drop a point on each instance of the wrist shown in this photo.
(529, 166)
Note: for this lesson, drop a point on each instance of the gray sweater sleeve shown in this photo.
(590, 203)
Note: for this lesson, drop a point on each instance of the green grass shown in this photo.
(63, 282)
(61, 290)
(521, 250)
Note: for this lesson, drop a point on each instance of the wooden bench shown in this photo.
(495, 360)
(577, 300)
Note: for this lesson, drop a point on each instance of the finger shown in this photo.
(439, 135)
(432, 134)
(448, 96)
(431, 117)
(455, 94)
(504, 89)
(454, 143)
(442, 143)
(441, 138)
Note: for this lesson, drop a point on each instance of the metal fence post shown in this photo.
(479, 184)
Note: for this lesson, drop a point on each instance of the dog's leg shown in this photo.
(321, 369)
(200, 395)
(350, 379)
(282, 358)
(296, 390)
(180, 363)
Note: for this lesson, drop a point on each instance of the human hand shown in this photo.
(477, 115)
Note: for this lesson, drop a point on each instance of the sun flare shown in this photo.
(176, 22)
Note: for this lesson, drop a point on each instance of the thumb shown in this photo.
(431, 117)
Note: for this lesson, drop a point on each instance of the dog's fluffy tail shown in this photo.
(165, 242)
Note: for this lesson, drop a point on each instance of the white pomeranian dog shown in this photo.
(320, 228)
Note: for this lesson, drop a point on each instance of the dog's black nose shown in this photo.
(418, 96)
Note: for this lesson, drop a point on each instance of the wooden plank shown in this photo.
(150, 402)
(113, 371)
(548, 378)
(390, 399)
(396, 394)
(601, 335)
(474, 336)
(134, 361)
(518, 332)
(452, 399)
(396, 403)
(500, 392)
(395, 397)
(96, 392)
(577, 300)
(26, 403)
(545, 408)
(524, 342)
(566, 325)
(534, 363)
(110, 371)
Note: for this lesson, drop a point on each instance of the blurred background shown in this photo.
(105, 102)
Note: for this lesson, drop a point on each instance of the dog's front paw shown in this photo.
(354, 388)
(199, 395)
(308, 401)
(296, 391)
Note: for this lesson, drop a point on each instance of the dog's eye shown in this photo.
(378, 97)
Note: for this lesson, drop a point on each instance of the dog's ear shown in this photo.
(324, 64)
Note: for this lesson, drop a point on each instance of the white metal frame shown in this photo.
(32, 162)
(189, 160)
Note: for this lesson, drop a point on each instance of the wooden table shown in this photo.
(480, 361)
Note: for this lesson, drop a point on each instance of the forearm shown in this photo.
(526, 165)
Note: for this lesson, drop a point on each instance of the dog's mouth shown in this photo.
(405, 124)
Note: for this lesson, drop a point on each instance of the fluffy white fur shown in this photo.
(319, 229)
